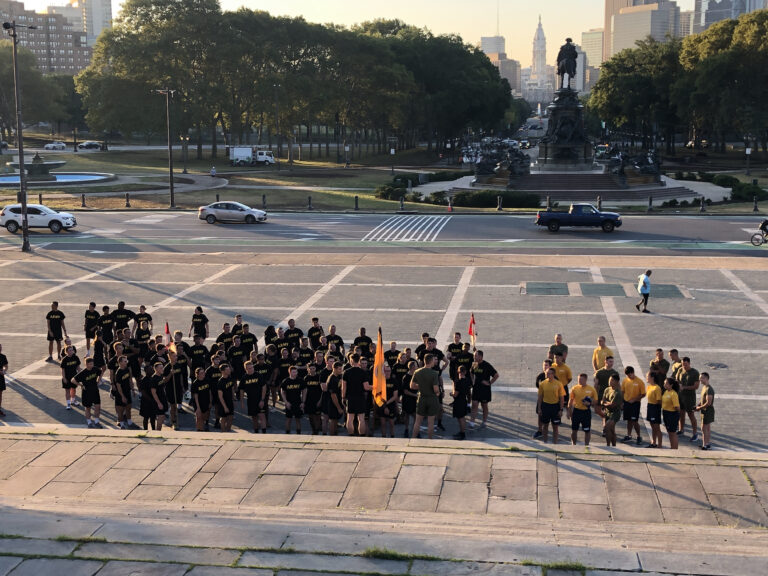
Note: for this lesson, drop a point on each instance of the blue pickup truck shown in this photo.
(579, 215)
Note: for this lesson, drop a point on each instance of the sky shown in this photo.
(471, 19)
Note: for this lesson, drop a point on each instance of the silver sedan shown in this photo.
(230, 212)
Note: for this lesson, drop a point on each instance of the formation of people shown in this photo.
(314, 375)
(670, 389)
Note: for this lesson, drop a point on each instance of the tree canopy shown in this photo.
(237, 69)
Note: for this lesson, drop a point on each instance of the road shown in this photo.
(127, 232)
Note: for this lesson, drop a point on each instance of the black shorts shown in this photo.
(460, 408)
(126, 393)
(671, 420)
(581, 418)
(205, 407)
(65, 384)
(333, 412)
(91, 334)
(54, 337)
(481, 393)
(409, 404)
(91, 398)
(253, 404)
(391, 408)
(356, 405)
(293, 412)
(687, 400)
(550, 413)
(653, 413)
(632, 411)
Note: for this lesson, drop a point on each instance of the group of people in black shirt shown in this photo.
(314, 374)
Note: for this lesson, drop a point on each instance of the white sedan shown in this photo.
(38, 216)
(55, 146)
(230, 212)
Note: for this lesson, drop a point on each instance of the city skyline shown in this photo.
(518, 19)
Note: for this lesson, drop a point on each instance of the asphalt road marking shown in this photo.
(748, 292)
(408, 229)
(62, 286)
(151, 219)
(312, 300)
(443, 334)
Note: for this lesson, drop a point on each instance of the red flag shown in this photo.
(167, 335)
(472, 331)
(379, 380)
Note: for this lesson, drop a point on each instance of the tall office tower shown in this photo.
(686, 23)
(612, 8)
(97, 15)
(707, 12)
(57, 46)
(657, 20)
(493, 44)
(592, 44)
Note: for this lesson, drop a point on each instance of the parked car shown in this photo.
(38, 216)
(578, 215)
(55, 146)
(89, 145)
(230, 212)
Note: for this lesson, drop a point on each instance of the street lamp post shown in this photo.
(168, 93)
(184, 150)
(12, 31)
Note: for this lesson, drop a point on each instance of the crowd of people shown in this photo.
(318, 376)
(314, 375)
(670, 390)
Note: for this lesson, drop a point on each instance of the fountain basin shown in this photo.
(58, 179)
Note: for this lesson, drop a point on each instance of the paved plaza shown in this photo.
(713, 310)
(179, 503)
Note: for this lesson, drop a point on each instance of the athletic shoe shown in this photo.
(49, 359)
(69, 407)
(646, 311)
(91, 425)
(651, 446)
(639, 440)
(537, 434)
(694, 438)
(471, 424)
(482, 425)
(638, 307)
(75, 403)
(97, 425)
(459, 436)
(706, 447)
(626, 439)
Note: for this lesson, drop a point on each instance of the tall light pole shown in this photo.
(168, 93)
(184, 147)
(12, 31)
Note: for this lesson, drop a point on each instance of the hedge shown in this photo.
(487, 199)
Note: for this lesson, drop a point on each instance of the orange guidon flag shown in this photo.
(379, 380)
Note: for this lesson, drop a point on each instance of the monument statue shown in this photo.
(565, 143)
(566, 62)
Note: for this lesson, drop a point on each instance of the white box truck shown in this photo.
(249, 156)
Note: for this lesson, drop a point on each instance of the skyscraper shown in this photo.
(97, 15)
(493, 44)
(612, 8)
(657, 20)
(592, 44)
(707, 12)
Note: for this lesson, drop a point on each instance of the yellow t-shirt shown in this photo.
(653, 394)
(563, 373)
(599, 355)
(632, 389)
(550, 391)
(670, 402)
(579, 393)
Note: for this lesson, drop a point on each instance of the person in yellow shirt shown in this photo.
(562, 373)
(600, 353)
(653, 393)
(550, 404)
(611, 405)
(670, 410)
(580, 409)
(633, 390)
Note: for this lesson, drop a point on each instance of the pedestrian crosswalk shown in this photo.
(408, 229)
